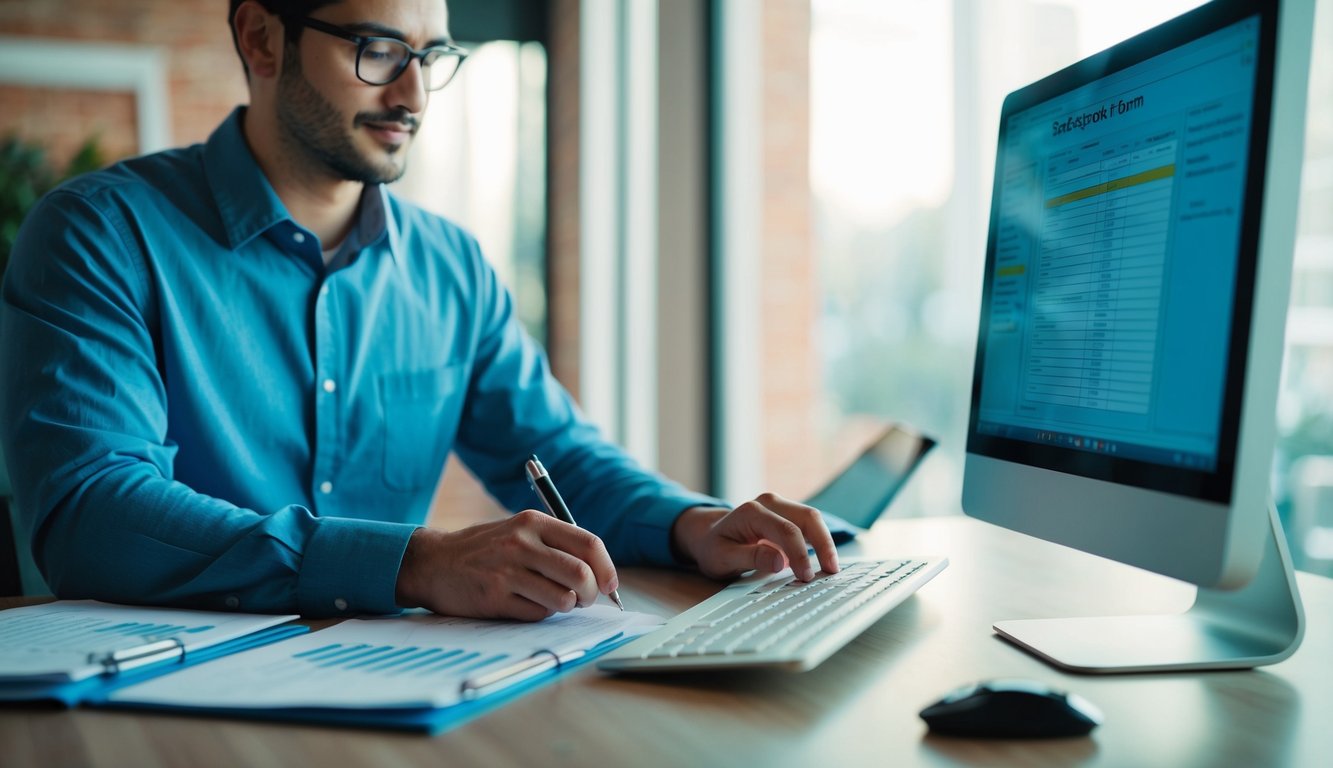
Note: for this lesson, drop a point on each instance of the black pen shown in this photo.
(545, 489)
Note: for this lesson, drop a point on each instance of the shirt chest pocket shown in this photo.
(421, 411)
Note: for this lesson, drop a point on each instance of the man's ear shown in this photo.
(260, 37)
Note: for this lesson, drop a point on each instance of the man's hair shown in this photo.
(287, 10)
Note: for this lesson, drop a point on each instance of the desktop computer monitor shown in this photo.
(1135, 295)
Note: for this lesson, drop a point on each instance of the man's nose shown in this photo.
(408, 91)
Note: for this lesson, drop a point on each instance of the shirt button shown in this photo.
(329, 385)
(340, 604)
(326, 487)
(324, 290)
(298, 237)
(233, 601)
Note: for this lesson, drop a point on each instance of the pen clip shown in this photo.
(546, 503)
(536, 473)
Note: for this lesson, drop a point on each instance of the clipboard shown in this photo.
(425, 720)
(92, 690)
(417, 672)
(69, 651)
(234, 675)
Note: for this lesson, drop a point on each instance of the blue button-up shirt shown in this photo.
(195, 410)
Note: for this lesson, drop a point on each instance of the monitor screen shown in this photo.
(1113, 331)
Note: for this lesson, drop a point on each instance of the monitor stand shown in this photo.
(1260, 623)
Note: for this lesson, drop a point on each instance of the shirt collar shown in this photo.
(369, 226)
(247, 203)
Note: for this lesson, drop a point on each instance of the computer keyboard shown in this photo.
(777, 620)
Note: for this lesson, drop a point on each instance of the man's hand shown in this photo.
(765, 534)
(526, 567)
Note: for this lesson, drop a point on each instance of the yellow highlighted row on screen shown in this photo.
(1143, 177)
(1011, 271)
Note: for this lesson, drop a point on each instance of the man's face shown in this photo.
(357, 131)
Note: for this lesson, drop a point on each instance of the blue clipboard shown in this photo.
(95, 689)
(430, 720)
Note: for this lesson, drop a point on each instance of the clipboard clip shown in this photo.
(475, 687)
(116, 662)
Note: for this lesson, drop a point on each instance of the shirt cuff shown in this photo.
(351, 566)
(652, 529)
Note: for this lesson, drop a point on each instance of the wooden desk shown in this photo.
(858, 708)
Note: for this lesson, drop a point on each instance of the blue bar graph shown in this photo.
(394, 660)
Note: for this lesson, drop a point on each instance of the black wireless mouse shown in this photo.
(1011, 709)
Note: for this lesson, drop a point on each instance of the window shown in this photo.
(904, 100)
(1303, 475)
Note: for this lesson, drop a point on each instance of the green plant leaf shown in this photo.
(25, 175)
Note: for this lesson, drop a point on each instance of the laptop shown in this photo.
(854, 499)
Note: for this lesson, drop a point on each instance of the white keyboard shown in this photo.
(777, 620)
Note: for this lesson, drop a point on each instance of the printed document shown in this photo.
(418, 660)
(71, 640)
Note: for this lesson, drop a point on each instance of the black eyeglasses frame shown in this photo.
(456, 53)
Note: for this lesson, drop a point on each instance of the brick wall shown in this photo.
(790, 285)
(203, 72)
(62, 120)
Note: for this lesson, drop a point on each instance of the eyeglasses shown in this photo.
(381, 60)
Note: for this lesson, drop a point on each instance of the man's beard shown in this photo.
(317, 130)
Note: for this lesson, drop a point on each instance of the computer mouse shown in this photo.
(1011, 709)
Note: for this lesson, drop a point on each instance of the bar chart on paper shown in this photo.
(414, 661)
(1098, 276)
(71, 640)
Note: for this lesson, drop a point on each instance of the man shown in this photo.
(234, 370)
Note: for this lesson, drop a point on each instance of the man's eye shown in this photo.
(381, 52)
